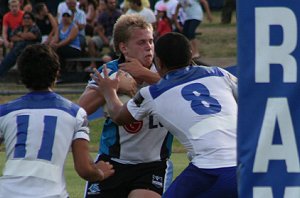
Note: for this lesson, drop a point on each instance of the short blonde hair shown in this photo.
(123, 27)
(13, 1)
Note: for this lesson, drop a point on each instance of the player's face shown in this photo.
(141, 46)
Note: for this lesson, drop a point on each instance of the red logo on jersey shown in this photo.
(133, 127)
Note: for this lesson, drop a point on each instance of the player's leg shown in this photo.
(225, 186)
(112, 187)
(192, 182)
(151, 179)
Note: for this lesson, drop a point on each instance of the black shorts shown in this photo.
(155, 176)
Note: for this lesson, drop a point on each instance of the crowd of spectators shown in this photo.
(81, 28)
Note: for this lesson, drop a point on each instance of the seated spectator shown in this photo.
(78, 17)
(136, 7)
(46, 22)
(11, 21)
(89, 7)
(26, 34)
(103, 31)
(68, 44)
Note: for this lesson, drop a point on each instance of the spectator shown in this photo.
(68, 45)
(125, 5)
(89, 7)
(164, 24)
(11, 21)
(46, 23)
(26, 5)
(26, 34)
(103, 31)
(194, 16)
(227, 10)
(136, 7)
(38, 130)
(78, 16)
(61, 8)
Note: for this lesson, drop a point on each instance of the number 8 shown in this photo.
(202, 103)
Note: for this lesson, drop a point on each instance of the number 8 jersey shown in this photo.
(38, 130)
(198, 105)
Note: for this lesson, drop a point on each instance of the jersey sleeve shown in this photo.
(140, 105)
(232, 81)
(82, 130)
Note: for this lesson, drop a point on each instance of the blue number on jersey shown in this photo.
(45, 151)
(202, 103)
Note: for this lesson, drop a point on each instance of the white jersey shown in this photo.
(131, 143)
(197, 105)
(38, 130)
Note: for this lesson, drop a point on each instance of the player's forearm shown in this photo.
(114, 106)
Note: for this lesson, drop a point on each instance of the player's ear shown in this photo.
(123, 48)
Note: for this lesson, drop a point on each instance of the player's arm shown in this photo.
(84, 165)
(108, 87)
(91, 100)
(138, 71)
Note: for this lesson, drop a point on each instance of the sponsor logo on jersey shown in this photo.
(134, 127)
(94, 189)
(157, 181)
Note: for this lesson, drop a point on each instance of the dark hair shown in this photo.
(174, 50)
(31, 15)
(39, 7)
(38, 65)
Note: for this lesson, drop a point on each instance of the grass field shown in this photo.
(76, 185)
(217, 47)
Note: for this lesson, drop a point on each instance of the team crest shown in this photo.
(94, 189)
(157, 181)
(133, 127)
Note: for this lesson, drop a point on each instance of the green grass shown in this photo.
(76, 185)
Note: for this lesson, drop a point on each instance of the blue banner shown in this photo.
(269, 98)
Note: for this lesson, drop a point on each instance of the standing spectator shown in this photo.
(38, 130)
(61, 8)
(46, 23)
(227, 10)
(89, 7)
(136, 7)
(169, 4)
(194, 16)
(68, 44)
(11, 21)
(26, 34)
(198, 105)
(164, 24)
(103, 31)
(125, 5)
(140, 151)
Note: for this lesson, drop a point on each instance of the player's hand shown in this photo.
(105, 169)
(105, 84)
(133, 67)
(127, 85)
